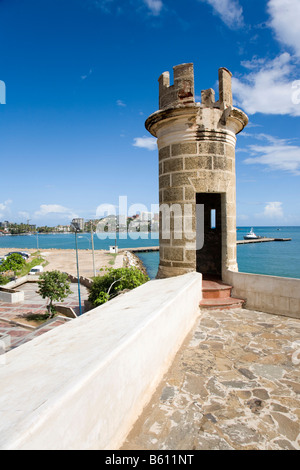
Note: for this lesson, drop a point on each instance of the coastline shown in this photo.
(65, 259)
(273, 259)
(132, 260)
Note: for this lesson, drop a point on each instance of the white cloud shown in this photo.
(273, 210)
(148, 143)
(4, 208)
(284, 19)
(230, 12)
(155, 6)
(273, 86)
(108, 6)
(276, 154)
(104, 5)
(121, 103)
(268, 87)
(5, 205)
(54, 209)
(84, 77)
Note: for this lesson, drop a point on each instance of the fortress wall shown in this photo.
(269, 294)
(84, 384)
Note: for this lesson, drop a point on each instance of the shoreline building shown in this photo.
(79, 222)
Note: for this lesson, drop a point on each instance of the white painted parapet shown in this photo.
(269, 294)
(84, 384)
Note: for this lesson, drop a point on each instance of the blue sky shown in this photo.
(81, 78)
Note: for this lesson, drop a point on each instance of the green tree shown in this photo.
(55, 286)
(13, 262)
(113, 282)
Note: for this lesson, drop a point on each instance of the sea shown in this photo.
(272, 258)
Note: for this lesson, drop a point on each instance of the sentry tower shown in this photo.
(197, 187)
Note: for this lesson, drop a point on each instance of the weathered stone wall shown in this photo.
(190, 168)
(196, 144)
(182, 92)
(270, 294)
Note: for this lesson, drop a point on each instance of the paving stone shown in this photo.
(242, 396)
(284, 445)
(241, 434)
(277, 407)
(236, 384)
(269, 371)
(287, 427)
(261, 393)
(168, 393)
(247, 373)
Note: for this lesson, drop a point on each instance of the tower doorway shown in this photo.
(209, 257)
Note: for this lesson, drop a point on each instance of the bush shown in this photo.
(13, 262)
(113, 282)
(3, 280)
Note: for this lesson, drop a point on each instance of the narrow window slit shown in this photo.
(213, 218)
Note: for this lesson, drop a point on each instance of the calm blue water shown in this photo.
(151, 262)
(274, 258)
(67, 241)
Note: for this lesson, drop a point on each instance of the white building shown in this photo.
(79, 222)
(146, 216)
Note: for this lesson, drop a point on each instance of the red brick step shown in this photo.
(215, 290)
(216, 294)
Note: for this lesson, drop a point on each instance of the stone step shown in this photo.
(216, 294)
(229, 302)
(215, 290)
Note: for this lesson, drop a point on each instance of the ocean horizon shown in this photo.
(272, 258)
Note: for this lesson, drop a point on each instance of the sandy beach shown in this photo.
(65, 260)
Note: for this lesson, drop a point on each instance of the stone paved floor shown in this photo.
(234, 384)
(11, 315)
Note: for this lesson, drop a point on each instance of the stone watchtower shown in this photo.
(197, 189)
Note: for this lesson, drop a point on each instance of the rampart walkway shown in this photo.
(233, 385)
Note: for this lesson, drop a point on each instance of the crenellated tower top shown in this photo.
(183, 90)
